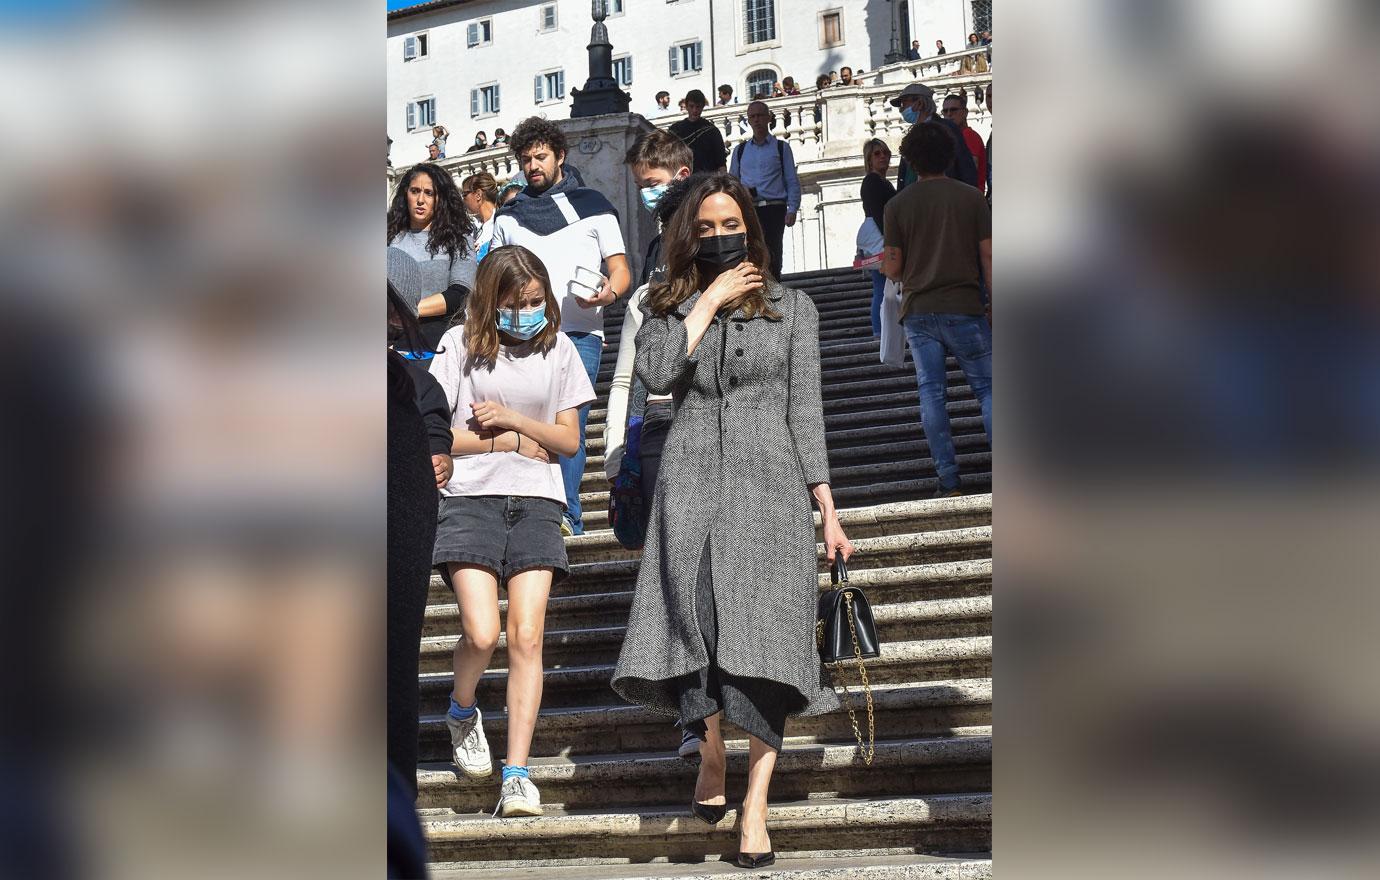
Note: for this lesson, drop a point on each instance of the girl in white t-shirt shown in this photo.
(515, 385)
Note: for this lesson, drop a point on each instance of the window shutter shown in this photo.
(409, 48)
(536, 89)
(474, 102)
(675, 60)
(699, 59)
(430, 111)
(472, 34)
(495, 87)
(411, 116)
(560, 84)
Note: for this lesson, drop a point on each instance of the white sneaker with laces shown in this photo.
(469, 747)
(519, 797)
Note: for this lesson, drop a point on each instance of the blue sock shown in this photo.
(509, 770)
(461, 713)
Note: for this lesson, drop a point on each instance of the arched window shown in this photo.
(759, 83)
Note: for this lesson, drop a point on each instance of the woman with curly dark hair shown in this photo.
(428, 220)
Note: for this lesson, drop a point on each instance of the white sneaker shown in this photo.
(469, 748)
(519, 797)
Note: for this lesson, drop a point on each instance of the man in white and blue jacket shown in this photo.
(766, 167)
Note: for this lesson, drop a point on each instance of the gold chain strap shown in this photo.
(870, 749)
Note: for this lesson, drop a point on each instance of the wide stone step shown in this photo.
(938, 708)
(844, 461)
(930, 660)
(974, 480)
(944, 516)
(943, 545)
(954, 823)
(834, 406)
(887, 424)
(898, 622)
(904, 767)
(841, 478)
(907, 444)
(840, 867)
(936, 580)
(859, 522)
(840, 414)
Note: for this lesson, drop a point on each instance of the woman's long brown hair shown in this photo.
(508, 269)
(681, 242)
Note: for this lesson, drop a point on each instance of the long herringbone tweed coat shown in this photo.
(746, 443)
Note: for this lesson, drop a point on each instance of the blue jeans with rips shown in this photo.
(590, 347)
(968, 338)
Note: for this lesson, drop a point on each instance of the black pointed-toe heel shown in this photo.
(710, 813)
(756, 860)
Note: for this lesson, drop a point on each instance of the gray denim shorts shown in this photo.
(506, 534)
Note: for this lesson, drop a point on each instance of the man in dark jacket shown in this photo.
(701, 135)
(917, 105)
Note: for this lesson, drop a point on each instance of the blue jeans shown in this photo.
(573, 468)
(878, 286)
(969, 339)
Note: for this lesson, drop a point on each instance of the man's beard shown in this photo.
(547, 183)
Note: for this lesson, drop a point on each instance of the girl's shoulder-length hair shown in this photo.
(680, 244)
(506, 270)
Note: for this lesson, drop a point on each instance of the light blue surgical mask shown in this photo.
(529, 322)
(651, 195)
(910, 114)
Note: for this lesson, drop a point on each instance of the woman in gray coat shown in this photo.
(723, 619)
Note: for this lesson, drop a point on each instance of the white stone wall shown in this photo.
(645, 31)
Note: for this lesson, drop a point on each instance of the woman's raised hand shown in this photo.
(732, 285)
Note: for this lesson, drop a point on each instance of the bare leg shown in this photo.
(527, 593)
(709, 786)
(476, 589)
(752, 829)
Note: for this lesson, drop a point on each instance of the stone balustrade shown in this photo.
(825, 130)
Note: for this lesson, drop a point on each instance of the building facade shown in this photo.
(477, 65)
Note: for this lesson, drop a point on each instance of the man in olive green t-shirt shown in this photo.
(939, 247)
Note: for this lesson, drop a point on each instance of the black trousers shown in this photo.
(773, 220)
(656, 423)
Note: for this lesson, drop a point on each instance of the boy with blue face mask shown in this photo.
(660, 164)
(656, 160)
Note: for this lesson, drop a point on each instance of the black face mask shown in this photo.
(722, 251)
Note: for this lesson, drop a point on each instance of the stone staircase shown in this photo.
(616, 794)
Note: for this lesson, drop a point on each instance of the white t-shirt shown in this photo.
(620, 390)
(586, 243)
(537, 386)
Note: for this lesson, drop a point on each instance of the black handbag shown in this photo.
(845, 631)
